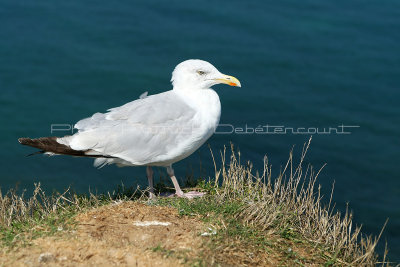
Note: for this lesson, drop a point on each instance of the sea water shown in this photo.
(306, 67)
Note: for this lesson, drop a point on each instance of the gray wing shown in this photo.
(141, 132)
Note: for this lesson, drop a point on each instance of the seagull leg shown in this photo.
(149, 173)
(171, 174)
(178, 191)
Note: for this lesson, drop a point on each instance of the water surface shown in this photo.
(301, 63)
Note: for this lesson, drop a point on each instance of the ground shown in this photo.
(148, 233)
(108, 236)
(243, 220)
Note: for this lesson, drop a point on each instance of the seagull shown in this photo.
(154, 130)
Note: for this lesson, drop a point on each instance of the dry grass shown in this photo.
(17, 208)
(24, 218)
(292, 204)
(289, 206)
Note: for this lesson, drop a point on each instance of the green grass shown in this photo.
(250, 213)
(229, 227)
(21, 232)
(166, 252)
(26, 218)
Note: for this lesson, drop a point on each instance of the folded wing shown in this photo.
(148, 130)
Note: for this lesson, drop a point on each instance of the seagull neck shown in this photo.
(195, 94)
(202, 100)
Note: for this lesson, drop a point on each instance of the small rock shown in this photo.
(150, 223)
(63, 258)
(211, 231)
(46, 257)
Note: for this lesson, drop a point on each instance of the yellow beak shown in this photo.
(230, 80)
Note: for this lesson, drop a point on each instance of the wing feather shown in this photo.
(142, 131)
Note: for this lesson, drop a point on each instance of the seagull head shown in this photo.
(199, 74)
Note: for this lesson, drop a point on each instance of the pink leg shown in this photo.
(149, 173)
(178, 191)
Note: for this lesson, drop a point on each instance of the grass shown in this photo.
(249, 214)
(25, 218)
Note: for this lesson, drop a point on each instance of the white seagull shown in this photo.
(155, 130)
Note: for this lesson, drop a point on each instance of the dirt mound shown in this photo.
(124, 234)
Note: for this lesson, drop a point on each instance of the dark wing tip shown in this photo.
(23, 140)
(35, 153)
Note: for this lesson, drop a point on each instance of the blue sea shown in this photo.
(306, 67)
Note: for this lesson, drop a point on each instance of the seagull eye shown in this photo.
(200, 72)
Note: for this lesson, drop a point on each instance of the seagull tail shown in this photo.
(49, 145)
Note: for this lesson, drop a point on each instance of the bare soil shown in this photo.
(108, 236)
(119, 235)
